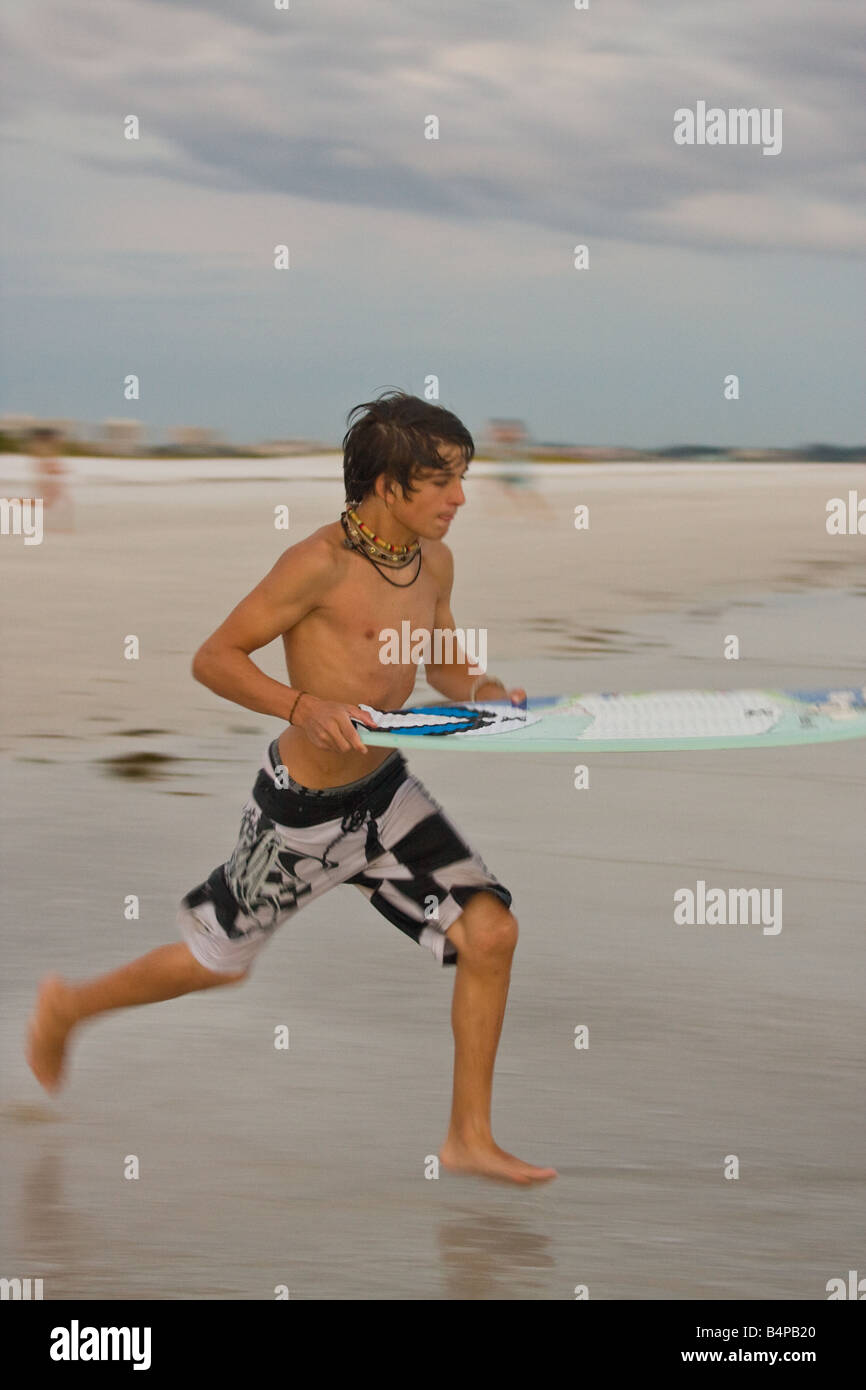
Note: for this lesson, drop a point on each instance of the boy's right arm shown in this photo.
(296, 585)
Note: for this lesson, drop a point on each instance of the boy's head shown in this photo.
(399, 438)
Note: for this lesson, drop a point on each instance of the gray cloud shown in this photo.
(551, 116)
(414, 256)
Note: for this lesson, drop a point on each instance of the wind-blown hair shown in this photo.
(398, 436)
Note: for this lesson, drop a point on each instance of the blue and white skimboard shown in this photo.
(651, 721)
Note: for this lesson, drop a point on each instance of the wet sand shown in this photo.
(306, 1167)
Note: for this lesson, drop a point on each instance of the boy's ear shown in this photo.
(386, 487)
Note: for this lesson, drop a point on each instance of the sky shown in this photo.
(452, 259)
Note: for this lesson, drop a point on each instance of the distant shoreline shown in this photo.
(530, 457)
(16, 469)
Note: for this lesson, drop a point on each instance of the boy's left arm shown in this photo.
(457, 679)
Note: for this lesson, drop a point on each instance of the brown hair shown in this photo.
(398, 436)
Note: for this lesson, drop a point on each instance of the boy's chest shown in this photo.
(366, 604)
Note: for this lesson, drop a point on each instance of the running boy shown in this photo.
(325, 808)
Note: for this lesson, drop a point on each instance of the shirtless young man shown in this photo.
(326, 809)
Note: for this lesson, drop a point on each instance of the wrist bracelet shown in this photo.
(295, 704)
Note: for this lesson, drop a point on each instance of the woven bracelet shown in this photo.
(295, 705)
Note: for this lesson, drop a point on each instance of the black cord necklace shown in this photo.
(352, 544)
(392, 582)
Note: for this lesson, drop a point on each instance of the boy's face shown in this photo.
(431, 507)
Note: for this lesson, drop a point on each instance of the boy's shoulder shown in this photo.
(322, 549)
(439, 558)
(316, 562)
(328, 540)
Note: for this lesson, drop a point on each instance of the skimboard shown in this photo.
(650, 721)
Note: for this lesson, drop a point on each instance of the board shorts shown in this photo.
(384, 834)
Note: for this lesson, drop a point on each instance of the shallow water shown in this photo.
(306, 1167)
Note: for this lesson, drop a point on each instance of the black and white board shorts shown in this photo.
(383, 833)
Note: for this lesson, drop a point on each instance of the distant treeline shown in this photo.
(547, 453)
(817, 453)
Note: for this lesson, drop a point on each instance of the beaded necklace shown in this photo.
(374, 545)
(359, 537)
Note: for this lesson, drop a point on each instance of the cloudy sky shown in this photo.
(453, 257)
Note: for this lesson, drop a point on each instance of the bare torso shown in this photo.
(334, 651)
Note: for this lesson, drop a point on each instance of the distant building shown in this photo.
(193, 436)
(122, 436)
(21, 428)
(16, 426)
(507, 434)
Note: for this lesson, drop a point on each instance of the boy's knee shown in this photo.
(488, 928)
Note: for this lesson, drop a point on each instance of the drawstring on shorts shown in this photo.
(355, 819)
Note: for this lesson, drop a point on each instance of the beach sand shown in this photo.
(306, 1167)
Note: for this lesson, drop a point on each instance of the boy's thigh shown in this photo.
(274, 871)
(427, 872)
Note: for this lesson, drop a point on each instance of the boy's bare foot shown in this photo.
(487, 1160)
(50, 1024)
